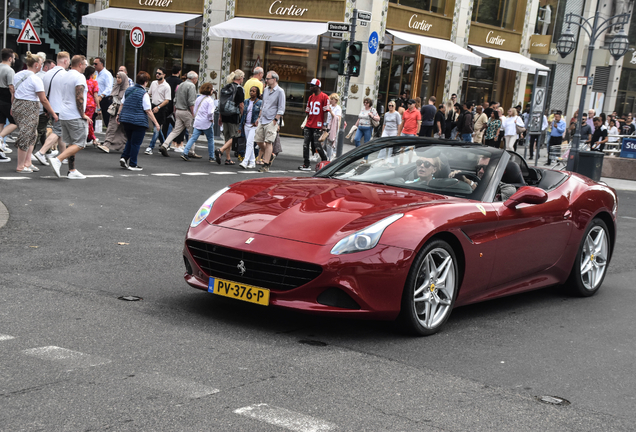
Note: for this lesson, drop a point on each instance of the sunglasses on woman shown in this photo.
(426, 164)
(480, 167)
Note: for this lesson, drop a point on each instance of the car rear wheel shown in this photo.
(431, 288)
(591, 261)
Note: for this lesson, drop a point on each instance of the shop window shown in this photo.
(434, 6)
(499, 13)
(163, 50)
(480, 82)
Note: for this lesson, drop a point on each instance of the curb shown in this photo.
(4, 215)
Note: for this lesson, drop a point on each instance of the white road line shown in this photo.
(15, 178)
(628, 217)
(5, 337)
(284, 418)
(222, 172)
(165, 174)
(250, 172)
(196, 174)
(280, 171)
(70, 359)
(133, 175)
(177, 386)
(97, 176)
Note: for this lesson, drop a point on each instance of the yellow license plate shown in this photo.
(239, 291)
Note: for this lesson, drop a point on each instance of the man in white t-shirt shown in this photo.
(53, 91)
(72, 115)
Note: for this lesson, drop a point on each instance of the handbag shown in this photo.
(99, 123)
(324, 136)
(519, 129)
(375, 123)
(112, 109)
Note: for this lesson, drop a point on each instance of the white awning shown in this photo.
(510, 60)
(439, 48)
(296, 32)
(127, 19)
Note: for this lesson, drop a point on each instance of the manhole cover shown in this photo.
(553, 400)
(312, 342)
(129, 298)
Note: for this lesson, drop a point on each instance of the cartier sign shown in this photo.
(426, 24)
(486, 36)
(540, 44)
(302, 10)
(419, 25)
(493, 39)
(185, 6)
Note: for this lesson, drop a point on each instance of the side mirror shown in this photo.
(527, 195)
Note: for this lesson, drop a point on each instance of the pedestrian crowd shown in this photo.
(61, 104)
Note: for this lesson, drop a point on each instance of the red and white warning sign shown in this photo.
(28, 34)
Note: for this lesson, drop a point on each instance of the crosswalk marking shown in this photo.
(285, 418)
(196, 174)
(165, 174)
(134, 175)
(97, 175)
(5, 337)
(15, 178)
(178, 386)
(70, 359)
(222, 172)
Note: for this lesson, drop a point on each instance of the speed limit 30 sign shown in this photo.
(137, 37)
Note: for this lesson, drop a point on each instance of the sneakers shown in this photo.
(103, 148)
(211, 160)
(40, 158)
(56, 165)
(251, 166)
(314, 157)
(271, 159)
(185, 157)
(193, 155)
(33, 159)
(34, 168)
(164, 151)
(75, 175)
(217, 156)
(264, 168)
(304, 168)
(123, 163)
(4, 147)
(65, 162)
(135, 168)
(53, 154)
(3, 158)
(178, 150)
(243, 165)
(148, 151)
(9, 139)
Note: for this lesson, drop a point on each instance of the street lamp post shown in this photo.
(594, 27)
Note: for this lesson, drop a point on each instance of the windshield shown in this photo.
(455, 170)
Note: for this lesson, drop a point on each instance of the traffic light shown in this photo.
(355, 54)
(342, 48)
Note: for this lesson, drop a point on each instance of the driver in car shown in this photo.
(505, 190)
(426, 169)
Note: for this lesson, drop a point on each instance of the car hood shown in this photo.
(318, 210)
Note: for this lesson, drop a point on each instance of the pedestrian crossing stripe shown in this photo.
(15, 178)
(160, 174)
(165, 174)
(196, 174)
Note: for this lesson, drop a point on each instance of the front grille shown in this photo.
(260, 270)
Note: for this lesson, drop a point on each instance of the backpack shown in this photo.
(227, 106)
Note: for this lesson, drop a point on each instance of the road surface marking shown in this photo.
(284, 418)
(134, 175)
(222, 172)
(5, 337)
(71, 359)
(250, 172)
(97, 175)
(195, 173)
(177, 386)
(165, 174)
(628, 217)
(15, 178)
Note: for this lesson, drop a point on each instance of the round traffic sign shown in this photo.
(374, 42)
(137, 37)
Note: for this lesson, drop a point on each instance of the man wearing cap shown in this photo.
(411, 120)
(317, 109)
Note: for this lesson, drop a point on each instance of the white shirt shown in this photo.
(204, 109)
(335, 110)
(145, 101)
(509, 125)
(26, 84)
(613, 131)
(55, 94)
(159, 92)
(72, 79)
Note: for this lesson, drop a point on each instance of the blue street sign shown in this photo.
(628, 148)
(374, 42)
(16, 23)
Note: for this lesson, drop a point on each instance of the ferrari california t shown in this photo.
(403, 228)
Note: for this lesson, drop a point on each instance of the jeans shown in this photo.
(209, 134)
(467, 137)
(311, 138)
(135, 135)
(250, 157)
(363, 130)
(161, 118)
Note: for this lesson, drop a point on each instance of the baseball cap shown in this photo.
(411, 101)
(315, 82)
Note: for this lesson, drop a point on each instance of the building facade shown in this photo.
(478, 50)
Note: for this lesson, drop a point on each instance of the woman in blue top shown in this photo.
(133, 114)
(250, 116)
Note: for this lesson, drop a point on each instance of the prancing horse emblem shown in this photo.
(241, 267)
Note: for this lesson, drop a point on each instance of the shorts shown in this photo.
(75, 132)
(5, 113)
(231, 130)
(56, 126)
(266, 132)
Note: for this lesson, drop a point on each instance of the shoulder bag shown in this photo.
(374, 123)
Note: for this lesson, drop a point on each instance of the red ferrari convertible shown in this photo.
(404, 228)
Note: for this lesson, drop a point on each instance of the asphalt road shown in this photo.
(75, 357)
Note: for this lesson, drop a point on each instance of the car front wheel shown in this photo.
(431, 288)
(591, 261)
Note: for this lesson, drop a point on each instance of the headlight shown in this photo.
(365, 239)
(204, 211)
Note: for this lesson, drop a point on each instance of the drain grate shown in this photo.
(553, 400)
